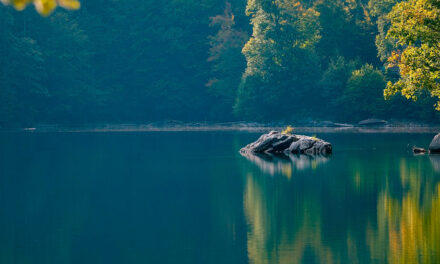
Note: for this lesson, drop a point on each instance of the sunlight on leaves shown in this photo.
(414, 26)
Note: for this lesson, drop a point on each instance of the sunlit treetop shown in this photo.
(415, 25)
(44, 7)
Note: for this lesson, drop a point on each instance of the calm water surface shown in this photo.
(190, 197)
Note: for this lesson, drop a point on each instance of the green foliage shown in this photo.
(161, 60)
(281, 59)
(415, 24)
(380, 7)
(334, 82)
(226, 60)
(362, 97)
(22, 75)
(379, 10)
(347, 31)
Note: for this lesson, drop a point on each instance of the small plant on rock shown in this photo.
(288, 130)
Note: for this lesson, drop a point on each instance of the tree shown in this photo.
(22, 75)
(333, 85)
(362, 97)
(227, 61)
(67, 60)
(282, 64)
(44, 7)
(346, 30)
(415, 24)
(150, 60)
(379, 10)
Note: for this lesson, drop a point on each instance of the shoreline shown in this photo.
(233, 127)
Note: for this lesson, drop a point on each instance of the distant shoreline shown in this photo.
(232, 126)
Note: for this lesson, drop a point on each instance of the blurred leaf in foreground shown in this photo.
(44, 7)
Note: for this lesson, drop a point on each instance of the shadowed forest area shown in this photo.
(207, 60)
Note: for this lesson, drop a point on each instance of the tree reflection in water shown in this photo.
(342, 210)
(408, 225)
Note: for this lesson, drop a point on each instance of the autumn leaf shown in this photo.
(44, 7)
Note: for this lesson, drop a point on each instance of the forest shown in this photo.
(215, 60)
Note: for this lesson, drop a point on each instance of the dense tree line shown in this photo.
(208, 60)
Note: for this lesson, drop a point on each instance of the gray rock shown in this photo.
(434, 147)
(372, 122)
(332, 124)
(309, 145)
(417, 150)
(301, 145)
(264, 142)
(280, 146)
(273, 132)
(323, 147)
(273, 141)
(276, 142)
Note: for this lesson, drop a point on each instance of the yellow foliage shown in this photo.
(44, 7)
(288, 130)
(419, 60)
(19, 4)
(69, 4)
(394, 59)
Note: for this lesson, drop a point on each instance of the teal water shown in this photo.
(190, 197)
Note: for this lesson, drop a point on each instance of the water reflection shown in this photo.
(386, 210)
(285, 165)
(435, 161)
(277, 235)
(408, 225)
(121, 198)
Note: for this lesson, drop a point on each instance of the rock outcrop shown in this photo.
(277, 142)
(434, 147)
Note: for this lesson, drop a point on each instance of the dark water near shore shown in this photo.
(189, 197)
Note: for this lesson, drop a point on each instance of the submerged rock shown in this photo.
(434, 147)
(277, 142)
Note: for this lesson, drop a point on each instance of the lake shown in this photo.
(190, 197)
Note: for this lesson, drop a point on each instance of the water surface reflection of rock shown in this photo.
(285, 165)
(435, 161)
